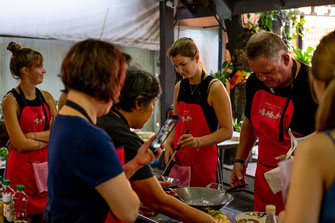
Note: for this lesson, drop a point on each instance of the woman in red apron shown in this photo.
(27, 113)
(204, 108)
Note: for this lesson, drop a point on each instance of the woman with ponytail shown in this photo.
(312, 190)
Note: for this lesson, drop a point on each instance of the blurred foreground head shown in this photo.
(96, 68)
(323, 81)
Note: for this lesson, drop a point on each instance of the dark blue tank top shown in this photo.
(328, 202)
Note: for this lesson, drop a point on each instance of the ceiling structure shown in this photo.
(131, 23)
(206, 13)
(226, 8)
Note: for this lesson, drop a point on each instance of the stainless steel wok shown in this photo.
(205, 198)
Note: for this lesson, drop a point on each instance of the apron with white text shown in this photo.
(266, 113)
(33, 117)
(195, 115)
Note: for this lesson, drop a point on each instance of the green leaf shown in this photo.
(224, 64)
(230, 66)
(309, 50)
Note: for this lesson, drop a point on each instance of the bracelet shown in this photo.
(243, 162)
(198, 140)
(35, 136)
(39, 144)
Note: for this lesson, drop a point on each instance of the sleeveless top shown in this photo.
(328, 204)
(200, 119)
(200, 97)
(33, 116)
(37, 102)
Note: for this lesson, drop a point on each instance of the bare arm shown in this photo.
(121, 199)
(17, 138)
(248, 138)
(153, 196)
(218, 98)
(169, 141)
(312, 174)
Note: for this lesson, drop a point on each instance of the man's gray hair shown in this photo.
(266, 44)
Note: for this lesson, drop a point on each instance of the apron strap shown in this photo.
(40, 96)
(41, 99)
(330, 136)
(281, 124)
(80, 109)
(115, 111)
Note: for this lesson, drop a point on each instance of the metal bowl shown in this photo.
(174, 181)
(210, 199)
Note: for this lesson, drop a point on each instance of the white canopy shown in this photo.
(130, 23)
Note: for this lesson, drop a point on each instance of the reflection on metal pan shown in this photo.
(174, 181)
(204, 199)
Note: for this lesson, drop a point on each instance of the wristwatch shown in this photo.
(243, 162)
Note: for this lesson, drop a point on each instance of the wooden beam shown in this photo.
(223, 8)
(250, 6)
(189, 11)
(167, 73)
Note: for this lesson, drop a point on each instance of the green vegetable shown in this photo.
(213, 213)
(3, 153)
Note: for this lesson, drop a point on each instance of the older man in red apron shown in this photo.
(278, 98)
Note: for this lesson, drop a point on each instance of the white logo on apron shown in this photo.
(269, 114)
(39, 121)
(188, 118)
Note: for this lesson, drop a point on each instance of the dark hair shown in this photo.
(266, 44)
(323, 69)
(140, 86)
(22, 57)
(95, 68)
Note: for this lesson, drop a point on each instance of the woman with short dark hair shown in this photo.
(86, 178)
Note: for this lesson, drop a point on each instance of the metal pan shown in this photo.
(174, 181)
(205, 198)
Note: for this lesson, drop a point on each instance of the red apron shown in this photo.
(266, 113)
(19, 167)
(203, 160)
(110, 217)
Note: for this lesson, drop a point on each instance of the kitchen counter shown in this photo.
(243, 202)
(231, 213)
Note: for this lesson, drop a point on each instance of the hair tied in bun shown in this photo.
(13, 47)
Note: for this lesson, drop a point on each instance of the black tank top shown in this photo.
(199, 96)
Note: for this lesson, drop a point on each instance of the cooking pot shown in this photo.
(174, 181)
(206, 198)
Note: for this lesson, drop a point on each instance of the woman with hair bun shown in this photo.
(28, 113)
